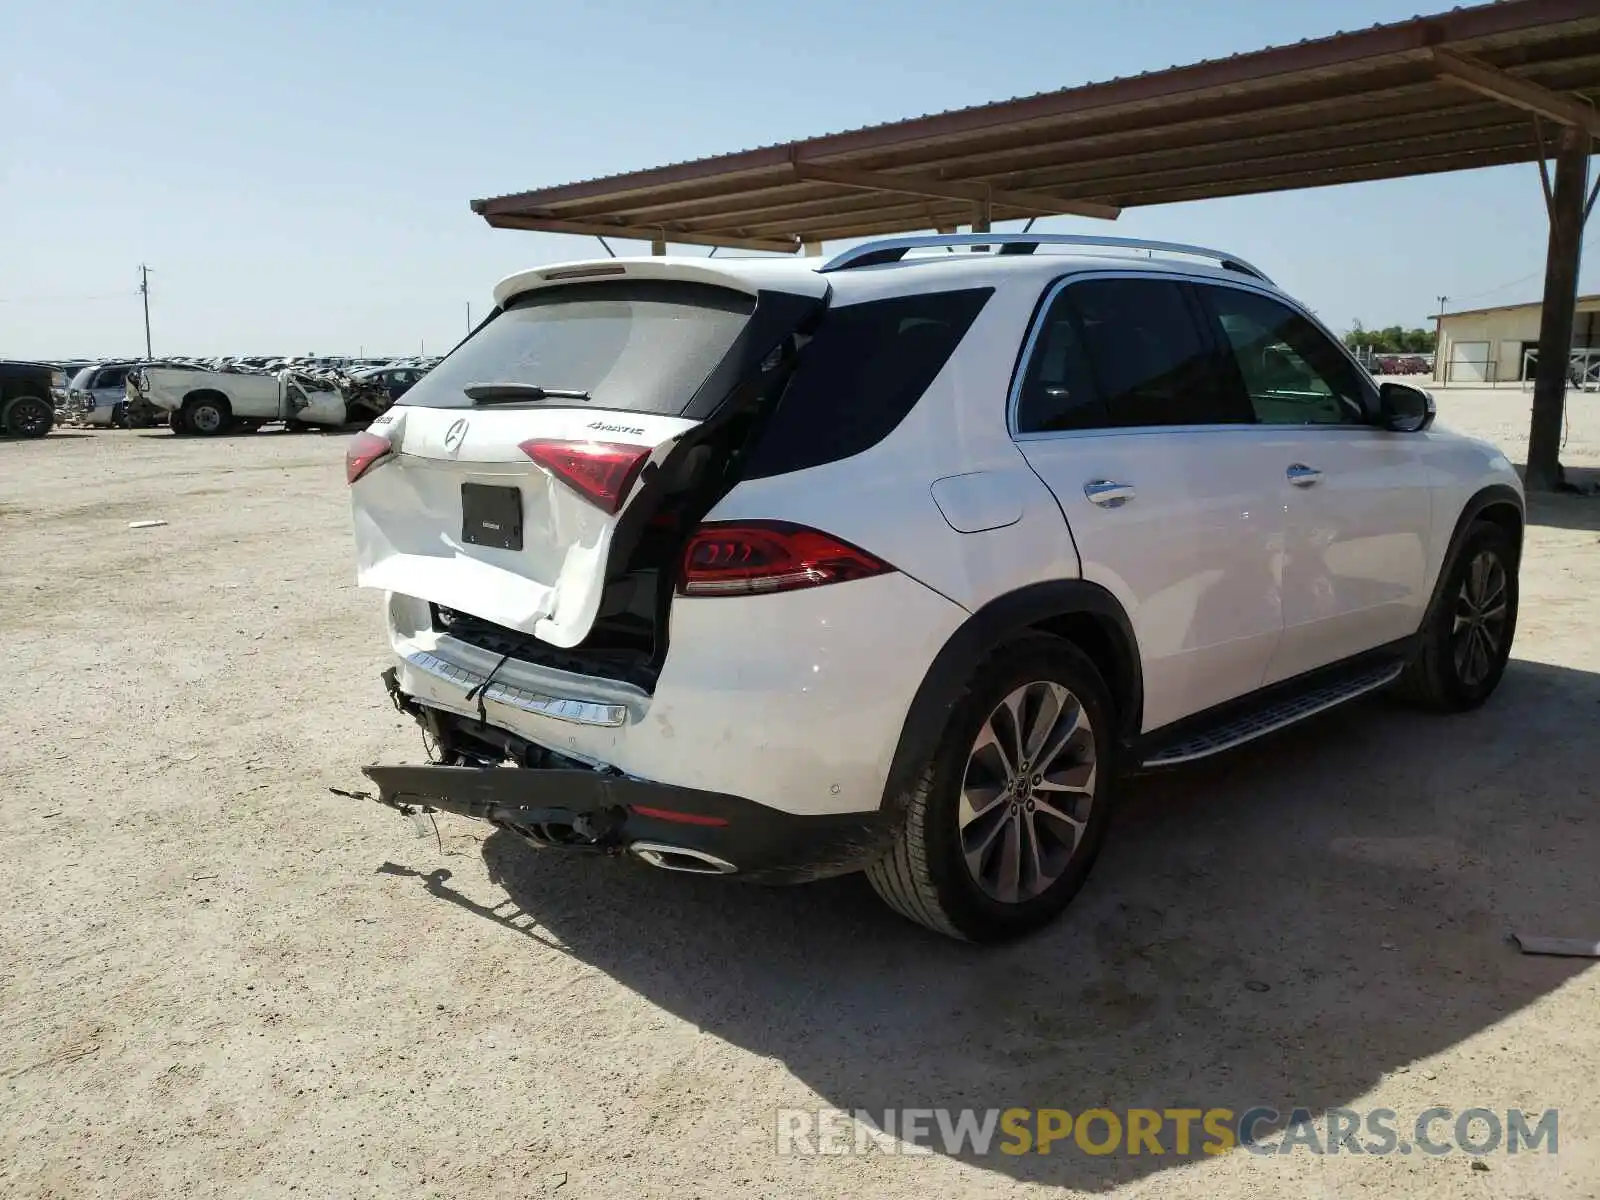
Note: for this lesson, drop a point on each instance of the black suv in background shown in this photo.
(25, 407)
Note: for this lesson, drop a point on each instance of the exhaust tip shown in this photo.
(681, 858)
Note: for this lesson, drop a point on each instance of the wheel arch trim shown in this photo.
(1495, 495)
(984, 631)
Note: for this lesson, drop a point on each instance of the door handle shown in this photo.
(1108, 493)
(1301, 475)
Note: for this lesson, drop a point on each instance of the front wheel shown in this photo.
(1005, 820)
(1466, 640)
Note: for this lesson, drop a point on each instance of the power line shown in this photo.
(59, 299)
(1539, 274)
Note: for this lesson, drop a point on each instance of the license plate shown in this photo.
(491, 516)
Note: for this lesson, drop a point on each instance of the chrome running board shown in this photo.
(1260, 722)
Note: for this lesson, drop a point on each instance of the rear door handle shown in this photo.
(1301, 475)
(1107, 493)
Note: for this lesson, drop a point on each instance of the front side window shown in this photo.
(1292, 373)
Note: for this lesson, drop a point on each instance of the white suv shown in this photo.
(783, 569)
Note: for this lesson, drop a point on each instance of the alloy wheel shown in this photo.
(1478, 632)
(32, 417)
(206, 418)
(1027, 792)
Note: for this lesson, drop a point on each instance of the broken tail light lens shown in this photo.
(365, 451)
(601, 472)
(745, 558)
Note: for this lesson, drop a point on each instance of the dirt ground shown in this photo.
(220, 979)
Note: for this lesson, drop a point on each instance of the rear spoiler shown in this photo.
(750, 276)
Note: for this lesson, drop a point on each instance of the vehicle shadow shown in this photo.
(1564, 511)
(1284, 926)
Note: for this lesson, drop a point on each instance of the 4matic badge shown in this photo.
(603, 427)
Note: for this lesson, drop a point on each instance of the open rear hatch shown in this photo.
(530, 482)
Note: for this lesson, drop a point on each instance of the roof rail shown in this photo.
(889, 250)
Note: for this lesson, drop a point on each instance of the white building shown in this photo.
(1493, 345)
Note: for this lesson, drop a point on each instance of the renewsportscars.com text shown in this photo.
(1177, 1132)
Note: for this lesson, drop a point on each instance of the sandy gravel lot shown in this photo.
(218, 979)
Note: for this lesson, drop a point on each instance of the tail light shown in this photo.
(743, 558)
(365, 451)
(601, 472)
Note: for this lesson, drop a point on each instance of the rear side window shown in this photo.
(865, 369)
(1058, 389)
(1292, 373)
(1125, 353)
(639, 346)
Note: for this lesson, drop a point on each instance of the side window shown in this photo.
(1058, 392)
(1149, 357)
(860, 375)
(1294, 375)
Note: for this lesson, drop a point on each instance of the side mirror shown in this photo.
(1405, 409)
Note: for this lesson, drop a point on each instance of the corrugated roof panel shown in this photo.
(1075, 144)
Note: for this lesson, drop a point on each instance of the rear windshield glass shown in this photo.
(638, 346)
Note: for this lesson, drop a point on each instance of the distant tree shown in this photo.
(1392, 340)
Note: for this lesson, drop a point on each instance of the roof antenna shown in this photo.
(605, 245)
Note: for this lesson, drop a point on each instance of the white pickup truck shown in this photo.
(213, 402)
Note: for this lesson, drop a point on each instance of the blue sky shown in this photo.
(297, 174)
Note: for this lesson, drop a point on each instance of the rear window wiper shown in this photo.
(510, 393)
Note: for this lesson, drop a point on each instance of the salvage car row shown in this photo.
(205, 397)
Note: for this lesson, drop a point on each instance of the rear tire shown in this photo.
(1466, 641)
(207, 416)
(975, 810)
(29, 417)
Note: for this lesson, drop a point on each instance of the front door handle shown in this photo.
(1107, 493)
(1301, 475)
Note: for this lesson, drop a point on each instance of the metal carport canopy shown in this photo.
(1431, 94)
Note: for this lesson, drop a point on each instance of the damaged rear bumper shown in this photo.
(669, 826)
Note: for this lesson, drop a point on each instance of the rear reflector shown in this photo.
(601, 472)
(672, 814)
(365, 450)
(743, 558)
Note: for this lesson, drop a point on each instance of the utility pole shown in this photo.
(144, 290)
(1438, 340)
(1568, 210)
